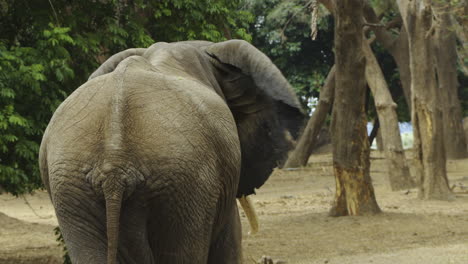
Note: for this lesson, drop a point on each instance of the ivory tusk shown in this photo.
(249, 210)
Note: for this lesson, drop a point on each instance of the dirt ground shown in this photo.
(294, 226)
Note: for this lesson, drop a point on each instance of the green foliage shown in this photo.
(49, 48)
(384, 6)
(281, 29)
(30, 89)
(61, 241)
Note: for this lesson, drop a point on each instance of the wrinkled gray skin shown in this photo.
(144, 161)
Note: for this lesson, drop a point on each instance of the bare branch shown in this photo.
(313, 20)
(283, 36)
(374, 24)
(55, 13)
(383, 36)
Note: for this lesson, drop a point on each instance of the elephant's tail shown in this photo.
(117, 185)
(113, 194)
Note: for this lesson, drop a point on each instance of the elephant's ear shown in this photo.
(111, 63)
(263, 104)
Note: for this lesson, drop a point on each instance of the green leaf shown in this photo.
(9, 138)
(7, 93)
(17, 120)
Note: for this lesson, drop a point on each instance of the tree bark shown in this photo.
(465, 128)
(397, 46)
(400, 53)
(445, 52)
(427, 121)
(379, 139)
(398, 171)
(354, 190)
(299, 156)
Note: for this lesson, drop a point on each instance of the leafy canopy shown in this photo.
(282, 31)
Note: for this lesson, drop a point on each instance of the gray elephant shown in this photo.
(143, 162)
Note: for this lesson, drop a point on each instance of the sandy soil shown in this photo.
(294, 226)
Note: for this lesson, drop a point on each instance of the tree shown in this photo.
(398, 170)
(354, 191)
(399, 175)
(428, 146)
(445, 54)
(443, 30)
(299, 156)
(49, 48)
(281, 29)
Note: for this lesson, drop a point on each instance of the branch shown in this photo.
(383, 36)
(371, 39)
(430, 32)
(55, 13)
(374, 24)
(328, 5)
(283, 37)
(313, 20)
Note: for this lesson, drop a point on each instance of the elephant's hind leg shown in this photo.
(81, 217)
(181, 232)
(226, 248)
(134, 247)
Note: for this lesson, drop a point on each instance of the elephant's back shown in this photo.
(177, 121)
(142, 115)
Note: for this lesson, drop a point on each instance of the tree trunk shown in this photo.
(446, 56)
(375, 130)
(398, 171)
(379, 139)
(400, 53)
(427, 122)
(354, 190)
(299, 156)
(465, 128)
(397, 47)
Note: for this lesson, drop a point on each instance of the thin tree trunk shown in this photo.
(465, 128)
(398, 171)
(445, 52)
(375, 130)
(427, 122)
(354, 190)
(299, 156)
(401, 55)
(397, 47)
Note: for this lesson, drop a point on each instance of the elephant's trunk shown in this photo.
(249, 210)
(113, 193)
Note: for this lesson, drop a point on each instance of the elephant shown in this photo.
(144, 161)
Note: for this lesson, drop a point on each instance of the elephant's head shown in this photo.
(262, 102)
